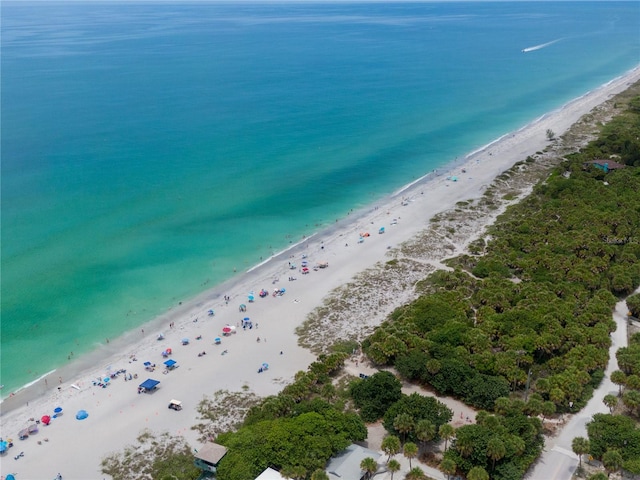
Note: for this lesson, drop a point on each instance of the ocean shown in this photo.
(150, 150)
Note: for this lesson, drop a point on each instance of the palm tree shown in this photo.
(580, 446)
(610, 401)
(410, 451)
(495, 450)
(369, 466)
(502, 405)
(295, 472)
(391, 446)
(403, 423)
(464, 445)
(287, 472)
(415, 474)
(448, 466)
(446, 432)
(518, 444)
(319, 475)
(477, 473)
(393, 466)
(425, 431)
(619, 378)
(612, 461)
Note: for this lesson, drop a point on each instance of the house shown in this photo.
(605, 165)
(346, 465)
(270, 474)
(207, 459)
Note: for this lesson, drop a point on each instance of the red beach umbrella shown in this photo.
(226, 329)
(46, 419)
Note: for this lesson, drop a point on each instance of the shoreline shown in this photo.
(119, 405)
(212, 294)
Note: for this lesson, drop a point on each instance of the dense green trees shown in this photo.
(304, 441)
(618, 433)
(633, 304)
(502, 445)
(412, 409)
(375, 394)
(539, 302)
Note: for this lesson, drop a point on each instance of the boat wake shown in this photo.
(538, 47)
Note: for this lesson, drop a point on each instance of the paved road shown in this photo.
(559, 462)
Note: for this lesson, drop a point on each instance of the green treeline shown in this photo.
(537, 304)
(296, 431)
(522, 326)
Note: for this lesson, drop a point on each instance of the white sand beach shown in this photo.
(118, 413)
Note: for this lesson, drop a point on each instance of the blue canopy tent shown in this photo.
(171, 364)
(148, 385)
(81, 415)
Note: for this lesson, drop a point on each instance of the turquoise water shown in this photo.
(148, 150)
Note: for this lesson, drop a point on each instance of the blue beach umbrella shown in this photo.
(3, 446)
(57, 410)
(81, 415)
(10, 477)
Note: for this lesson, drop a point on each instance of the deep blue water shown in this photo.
(150, 149)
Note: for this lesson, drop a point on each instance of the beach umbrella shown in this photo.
(57, 410)
(147, 364)
(46, 419)
(10, 477)
(81, 415)
(3, 446)
(226, 329)
(106, 379)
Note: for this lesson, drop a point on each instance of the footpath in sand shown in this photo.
(118, 413)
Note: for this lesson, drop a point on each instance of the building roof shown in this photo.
(211, 453)
(346, 464)
(611, 165)
(270, 474)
